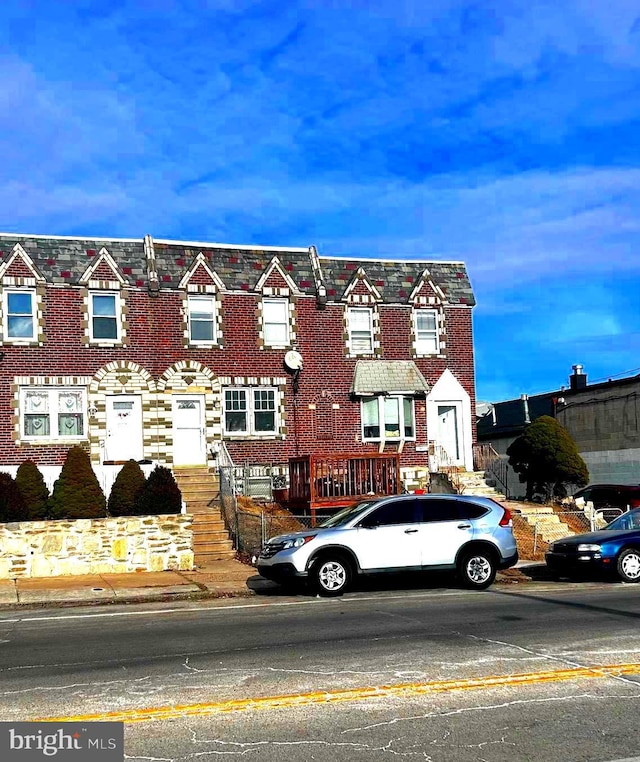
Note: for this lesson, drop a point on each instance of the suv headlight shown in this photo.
(587, 547)
(297, 542)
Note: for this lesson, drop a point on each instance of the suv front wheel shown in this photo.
(477, 569)
(331, 576)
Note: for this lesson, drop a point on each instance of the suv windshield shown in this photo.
(630, 520)
(341, 518)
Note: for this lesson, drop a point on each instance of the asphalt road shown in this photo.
(519, 672)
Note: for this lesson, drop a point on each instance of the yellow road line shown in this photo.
(402, 690)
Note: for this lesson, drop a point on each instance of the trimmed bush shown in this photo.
(77, 493)
(546, 459)
(160, 494)
(12, 505)
(33, 490)
(125, 493)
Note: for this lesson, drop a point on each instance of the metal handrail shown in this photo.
(441, 462)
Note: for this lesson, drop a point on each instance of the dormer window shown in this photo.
(104, 317)
(360, 330)
(19, 309)
(275, 322)
(202, 319)
(426, 332)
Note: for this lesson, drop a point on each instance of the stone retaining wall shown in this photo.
(96, 546)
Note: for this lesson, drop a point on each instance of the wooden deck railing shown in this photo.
(332, 481)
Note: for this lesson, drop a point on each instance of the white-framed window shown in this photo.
(202, 319)
(426, 332)
(104, 316)
(20, 315)
(360, 330)
(275, 322)
(388, 417)
(250, 411)
(53, 413)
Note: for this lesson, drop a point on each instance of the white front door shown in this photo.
(124, 428)
(189, 443)
(448, 430)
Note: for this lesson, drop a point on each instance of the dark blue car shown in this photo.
(616, 549)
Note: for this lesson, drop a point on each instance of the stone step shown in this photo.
(204, 559)
(205, 545)
(213, 524)
(210, 534)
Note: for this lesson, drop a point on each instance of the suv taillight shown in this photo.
(506, 519)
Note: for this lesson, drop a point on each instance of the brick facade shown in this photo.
(155, 360)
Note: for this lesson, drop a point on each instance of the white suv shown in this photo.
(470, 535)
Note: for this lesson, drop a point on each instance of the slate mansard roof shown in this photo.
(63, 260)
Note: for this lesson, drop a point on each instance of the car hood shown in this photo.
(600, 536)
(293, 535)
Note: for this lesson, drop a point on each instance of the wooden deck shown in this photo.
(328, 482)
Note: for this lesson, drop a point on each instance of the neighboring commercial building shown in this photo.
(161, 350)
(603, 420)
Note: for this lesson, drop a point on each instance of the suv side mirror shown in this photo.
(370, 524)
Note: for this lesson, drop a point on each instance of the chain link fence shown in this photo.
(250, 513)
(536, 530)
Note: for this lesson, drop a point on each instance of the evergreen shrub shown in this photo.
(125, 493)
(77, 493)
(34, 491)
(160, 494)
(12, 505)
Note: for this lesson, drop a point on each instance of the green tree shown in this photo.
(547, 459)
(33, 490)
(125, 493)
(12, 505)
(160, 493)
(77, 493)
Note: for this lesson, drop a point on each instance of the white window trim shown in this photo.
(250, 432)
(118, 317)
(5, 311)
(369, 310)
(279, 300)
(53, 436)
(420, 348)
(214, 316)
(380, 399)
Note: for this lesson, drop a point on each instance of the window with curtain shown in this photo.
(54, 413)
(393, 414)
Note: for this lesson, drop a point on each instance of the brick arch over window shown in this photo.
(188, 377)
(121, 377)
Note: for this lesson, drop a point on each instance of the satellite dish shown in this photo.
(293, 360)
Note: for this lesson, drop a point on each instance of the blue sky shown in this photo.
(505, 137)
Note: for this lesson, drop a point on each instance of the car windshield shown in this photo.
(630, 520)
(341, 518)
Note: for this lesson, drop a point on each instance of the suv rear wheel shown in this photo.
(331, 576)
(477, 569)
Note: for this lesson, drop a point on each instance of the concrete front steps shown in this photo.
(543, 520)
(474, 483)
(200, 492)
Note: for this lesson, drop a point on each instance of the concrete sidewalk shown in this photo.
(225, 579)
